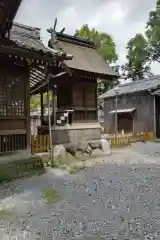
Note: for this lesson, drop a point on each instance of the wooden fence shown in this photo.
(40, 143)
(12, 143)
(127, 140)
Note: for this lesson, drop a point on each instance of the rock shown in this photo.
(88, 150)
(59, 154)
(102, 144)
(105, 146)
(96, 144)
(71, 148)
(82, 146)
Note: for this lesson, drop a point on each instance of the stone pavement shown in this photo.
(117, 199)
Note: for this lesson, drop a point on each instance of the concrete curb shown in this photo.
(20, 168)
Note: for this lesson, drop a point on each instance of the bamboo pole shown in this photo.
(49, 126)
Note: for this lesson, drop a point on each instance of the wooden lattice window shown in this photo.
(79, 116)
(78, 95)
(12, 95)
(90, 95)
(92, 115)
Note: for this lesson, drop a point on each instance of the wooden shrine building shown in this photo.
(76, 91)
(24, 63)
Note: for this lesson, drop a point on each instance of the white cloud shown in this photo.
(156, 68)
(120, 18)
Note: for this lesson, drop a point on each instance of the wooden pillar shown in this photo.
(96, 100)
(42, 109)
(27, 112)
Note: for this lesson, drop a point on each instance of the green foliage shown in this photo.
(4, 212)
(142, 51)
(153, 33)
(137, 66)
(35, 100)
(103, 41)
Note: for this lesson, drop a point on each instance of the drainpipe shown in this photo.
(154, 108)
(154, 114)
(116, 117)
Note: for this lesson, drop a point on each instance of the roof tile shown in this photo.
(132, 87)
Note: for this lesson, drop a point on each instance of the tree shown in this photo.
(35, 101)
(105, 47)
(153, 33)
(103, 41)
(137, 66)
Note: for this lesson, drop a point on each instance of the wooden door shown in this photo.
(125, 123)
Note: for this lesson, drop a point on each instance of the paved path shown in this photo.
(117, 200)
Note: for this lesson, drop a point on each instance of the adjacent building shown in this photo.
(137, 108)
(24, 63)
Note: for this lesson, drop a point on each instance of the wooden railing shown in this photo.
(12, 143)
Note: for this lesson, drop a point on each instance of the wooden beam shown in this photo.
(44, 83)
(34, 79)
(28, 54)
(12, 132)
(39, 76)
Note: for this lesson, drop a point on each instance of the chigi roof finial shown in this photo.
(52, 31)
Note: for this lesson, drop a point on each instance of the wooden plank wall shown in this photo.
(14, 100)
(84, 101)
(144, 115)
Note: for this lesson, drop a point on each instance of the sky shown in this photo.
(122, 19)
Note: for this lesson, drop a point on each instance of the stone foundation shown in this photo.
(83, 132)
(19, 164)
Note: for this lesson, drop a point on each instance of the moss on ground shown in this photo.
(4, 212)
(51, 195)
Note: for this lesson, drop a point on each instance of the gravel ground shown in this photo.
(119, 199)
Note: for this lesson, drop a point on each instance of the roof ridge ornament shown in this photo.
(53, 40)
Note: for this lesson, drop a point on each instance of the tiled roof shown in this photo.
(29, 38)
(132, 87)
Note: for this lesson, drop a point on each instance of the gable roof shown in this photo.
(85, 56)
(133, 87)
